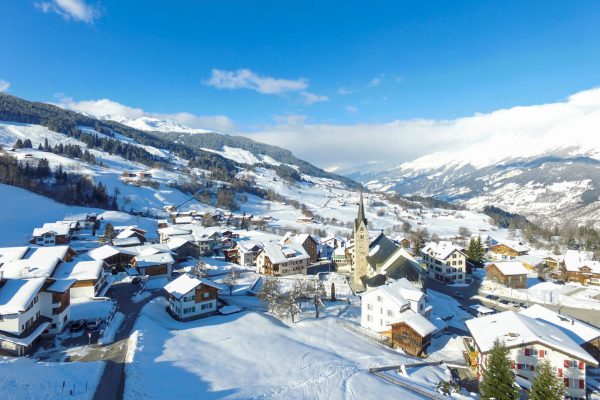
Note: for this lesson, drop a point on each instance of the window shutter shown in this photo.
(566, 364)
(519, 366)
(532, 368)
(581, 384)
(541, 353)
(526, 352)
(512, 365)
(560, 373)
(566, 382)
(581, 365)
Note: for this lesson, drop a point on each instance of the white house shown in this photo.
(282, 259)
(88, 276)
(529, 342)
(445, 262)
(191, 297)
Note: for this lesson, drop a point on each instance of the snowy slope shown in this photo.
(154, 124)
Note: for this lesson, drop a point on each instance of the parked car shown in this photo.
(76, 326)
(492, 297)
(93, 325)
(503, 301)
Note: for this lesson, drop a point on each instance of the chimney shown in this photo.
(572, 321)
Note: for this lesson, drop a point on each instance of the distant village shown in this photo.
(69, 266)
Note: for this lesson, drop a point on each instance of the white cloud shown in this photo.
(104, 107)
(405, 140)
(376, 81)
(77, 10)
(351, 109)
(246, 79)
(311, 98)
(4, 85)
(343, 90)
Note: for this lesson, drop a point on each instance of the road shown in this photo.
(592, 317)
(112, 381)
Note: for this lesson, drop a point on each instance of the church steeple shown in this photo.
(361, 212)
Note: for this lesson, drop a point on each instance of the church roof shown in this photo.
(380, 250)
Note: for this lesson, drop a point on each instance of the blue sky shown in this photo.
(246, 66)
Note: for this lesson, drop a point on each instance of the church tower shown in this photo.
(361, 245)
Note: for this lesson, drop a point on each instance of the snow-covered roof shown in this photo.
(402, 292)
(59, 228)
(27, 340)
(441, 250)
(177, 242)
(127, 233)
(417, 322)
(185, 283)
(184, 220)
(249, 246)
(579, 331)
(128, 241)
(16, 294)
(41, 253)
(61, 285)
(173, 231)
(516, 246)
(481, 309)
(302, 238)
(288, 235)
(80, 270)
(12, 253)
(517, 330)
(530, 259)
(29, 268)
(106, 251)
(574, 260)
(509, 268)
(279, 254)
(147, 260)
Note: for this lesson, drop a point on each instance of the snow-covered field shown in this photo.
(253, 355)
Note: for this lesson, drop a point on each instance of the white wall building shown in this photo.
(531, 341)
(191, 297)
(282, 259)
(445, 262)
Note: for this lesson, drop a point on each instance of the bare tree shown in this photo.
(316, 292)
(200, 269)
(232, 279)
(270, 294)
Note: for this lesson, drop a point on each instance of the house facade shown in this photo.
(581, 267)
(509, 250)
(508, 273)
(445, 262)
(276, 259)
(192, 298)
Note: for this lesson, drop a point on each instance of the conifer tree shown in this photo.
(546, 385)
(498, 380)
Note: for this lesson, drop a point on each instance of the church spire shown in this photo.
(361, 211)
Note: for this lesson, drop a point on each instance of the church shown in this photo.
(374, 261)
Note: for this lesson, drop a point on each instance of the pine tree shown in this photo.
(546, 385)
(109, 231)
(19, 144)
(498, 380)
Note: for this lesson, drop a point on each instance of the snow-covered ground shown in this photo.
(252, 355)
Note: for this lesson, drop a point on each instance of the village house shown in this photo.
(154, 265)
(112, 256)
(328, 245)
(530, 261)
(244, 253)
(529, 342)
(581, 267)
(51, 234)
(508, 273)
(132, 233)
(88, 277)
(126, 242)
(192, 298)
(585, 335)
(275, 259)
(508, 250)
(445, 262)
(397, 311)
(306, 241)
(183, 248)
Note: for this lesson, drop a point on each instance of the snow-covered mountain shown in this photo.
(150, 124)
(553, 175)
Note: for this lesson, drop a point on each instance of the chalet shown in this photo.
(113, 257)
(581, 266)
(445, 262)
(306, 241)
(244, 253)
(63, 253)
(126, 242)
(128, 175)
(304, 220)
(183, 248)
(397, 311)
(52, 234)
(132, 233)
(587, 336)
(191, 298)
(278, 260)
(554, 262)
(88, 277)
(162, 223)
(153, 265)
(402, 241)
(529, 342)
(509, 250)
(508, 273)
(165, 233)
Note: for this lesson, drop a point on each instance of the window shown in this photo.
(379, 298)
(370, 318)
(206, 295)
(390, 313)
(370, 307)
(205, 306)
